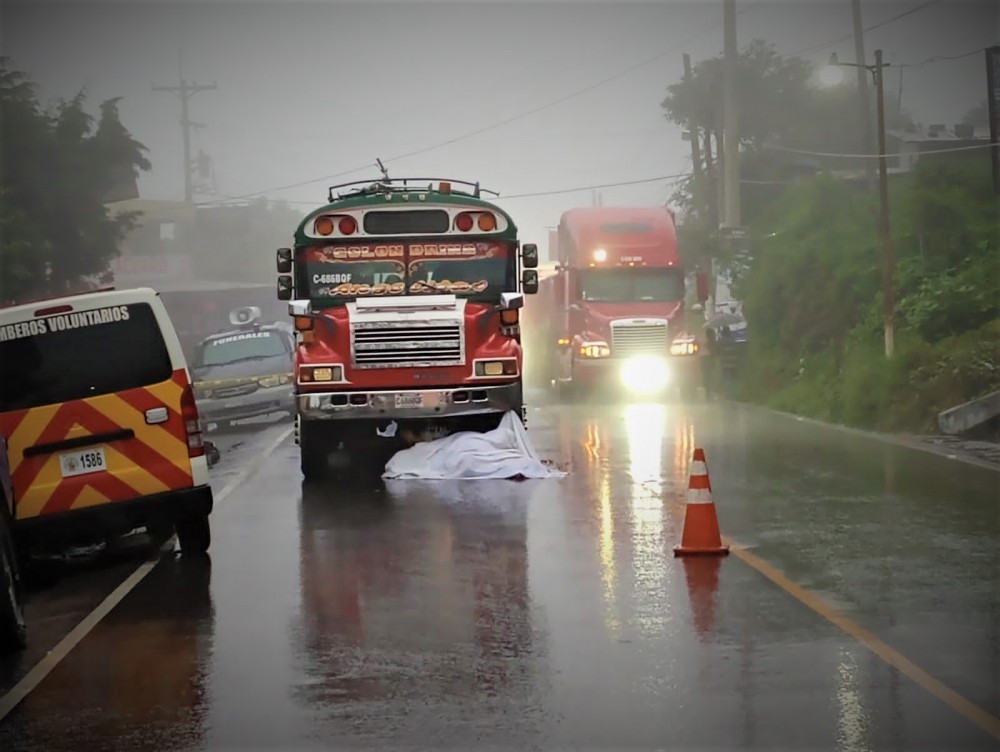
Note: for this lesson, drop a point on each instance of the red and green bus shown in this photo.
(405, 296)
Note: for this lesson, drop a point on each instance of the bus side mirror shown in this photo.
(529, 281)
(285, 287)
(284, 260)
(529, 255)
(701, 281)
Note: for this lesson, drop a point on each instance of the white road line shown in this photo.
(52, 659)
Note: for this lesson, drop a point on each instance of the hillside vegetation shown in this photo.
(813, 297)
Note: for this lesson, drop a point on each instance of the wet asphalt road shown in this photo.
(552, 614)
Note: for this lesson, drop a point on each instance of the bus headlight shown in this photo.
(645, 374)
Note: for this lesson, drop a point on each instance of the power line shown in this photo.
(506, 121)
(942, 58)
(898, 16)
(581, 188)
(876, 156)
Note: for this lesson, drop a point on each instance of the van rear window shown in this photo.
(81, 354)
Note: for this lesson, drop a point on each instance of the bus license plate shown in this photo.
(410, 400)
(82, 462)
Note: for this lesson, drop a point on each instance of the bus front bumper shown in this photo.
(473, 399)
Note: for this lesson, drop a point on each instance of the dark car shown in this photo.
(13, 632)
(244, 372)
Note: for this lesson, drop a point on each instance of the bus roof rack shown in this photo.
(400, 185)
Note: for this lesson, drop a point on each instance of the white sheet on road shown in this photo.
(505, 452)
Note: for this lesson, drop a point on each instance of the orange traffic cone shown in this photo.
(701, 526)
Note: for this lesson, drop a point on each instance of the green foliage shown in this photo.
(782, 110)
(813, 294)
(822, 270)
(813, 300)
(57, 173)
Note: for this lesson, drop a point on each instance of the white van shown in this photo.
(98, 411)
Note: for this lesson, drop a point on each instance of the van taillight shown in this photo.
(192, 424)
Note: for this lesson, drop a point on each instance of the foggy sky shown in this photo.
(307, 90)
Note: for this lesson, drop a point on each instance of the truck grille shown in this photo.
(398, 345)
(635, 339)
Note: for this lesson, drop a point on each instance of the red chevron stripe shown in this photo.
(10, 421)
(114, 488)
(56, 430)
(142, 401)
(142, 454)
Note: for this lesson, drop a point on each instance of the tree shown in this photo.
(58, 171)
(786, 122)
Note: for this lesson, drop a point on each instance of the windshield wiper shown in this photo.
(244, 359)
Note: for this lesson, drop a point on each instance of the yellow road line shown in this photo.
(54, 657)
(985, 720)
(982, 718)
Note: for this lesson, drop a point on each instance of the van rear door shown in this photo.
(91, 403)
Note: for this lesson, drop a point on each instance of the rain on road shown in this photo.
(551, 614)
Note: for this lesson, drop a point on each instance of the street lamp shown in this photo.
(831, 75)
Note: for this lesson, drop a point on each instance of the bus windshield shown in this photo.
(633, 284)
(477, 270)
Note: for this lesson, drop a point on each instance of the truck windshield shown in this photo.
(629, 285)
(477, 270)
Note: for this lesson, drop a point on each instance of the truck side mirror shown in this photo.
(529, 281)
(285, 287)
(529, 255)
(284, 260)
(701, 281)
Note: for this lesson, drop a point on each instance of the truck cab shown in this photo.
(612, 311)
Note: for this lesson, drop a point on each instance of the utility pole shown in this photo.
(863, 98)
(730, 127)
(186, 91)
(883, 187)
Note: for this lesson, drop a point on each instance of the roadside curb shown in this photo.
(904, 440)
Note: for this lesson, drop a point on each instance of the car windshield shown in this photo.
(240, 346)
(629, 285)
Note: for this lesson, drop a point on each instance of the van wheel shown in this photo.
(194, 534)
(13, 630)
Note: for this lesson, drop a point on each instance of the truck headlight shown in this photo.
(595, 350)
(278, 379)
(645, 374)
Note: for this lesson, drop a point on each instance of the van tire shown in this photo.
(194, 534)
(13, 629)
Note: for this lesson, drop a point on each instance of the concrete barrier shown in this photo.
(957, 420)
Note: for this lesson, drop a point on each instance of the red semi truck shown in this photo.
(610, 311)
